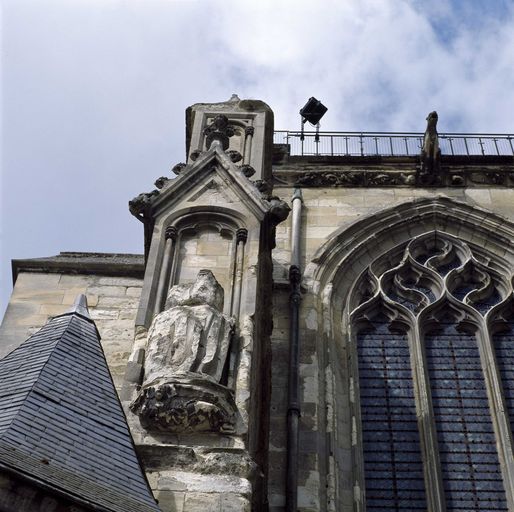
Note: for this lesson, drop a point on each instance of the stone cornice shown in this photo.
(380, 171)
(110, 264)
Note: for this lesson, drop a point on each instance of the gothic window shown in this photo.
(432, 322)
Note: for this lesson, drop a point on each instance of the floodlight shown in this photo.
(313, 111)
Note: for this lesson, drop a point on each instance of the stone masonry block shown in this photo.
(234, 503)
(36, 281)
(170, 501)
(120, 281)
(134, 291)
(107, 291)
(202, 502)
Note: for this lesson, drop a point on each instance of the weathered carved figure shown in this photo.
(430, 152)
(187, 348)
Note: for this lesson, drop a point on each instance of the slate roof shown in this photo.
(61, 422)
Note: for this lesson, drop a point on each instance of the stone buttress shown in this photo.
(197, 386)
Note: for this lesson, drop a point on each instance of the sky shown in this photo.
(93, 92)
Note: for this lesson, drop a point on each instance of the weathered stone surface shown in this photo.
(186, 403)
(186, 352)
(37, 296)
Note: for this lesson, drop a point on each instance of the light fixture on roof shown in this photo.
(312, 112)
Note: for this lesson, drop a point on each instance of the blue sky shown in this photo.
(94, 92)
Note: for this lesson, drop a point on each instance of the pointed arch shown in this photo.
(351, 249)
(422, 256)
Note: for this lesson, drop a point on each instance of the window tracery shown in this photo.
(433, 325)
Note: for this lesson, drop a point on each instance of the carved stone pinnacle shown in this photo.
(219, 130)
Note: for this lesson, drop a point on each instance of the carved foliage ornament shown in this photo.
(355, 179)
(219, 130)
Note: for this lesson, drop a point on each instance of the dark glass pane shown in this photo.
(467, 446)
(392, 456)
(504, 347)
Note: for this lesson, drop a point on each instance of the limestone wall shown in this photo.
(112, 301)
(326, 210)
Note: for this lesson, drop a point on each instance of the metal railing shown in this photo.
(392, 143)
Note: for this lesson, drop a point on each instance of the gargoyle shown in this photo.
(430, 152)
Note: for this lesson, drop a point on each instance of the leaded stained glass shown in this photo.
(467, 447)
(436, 449)
(392, 454)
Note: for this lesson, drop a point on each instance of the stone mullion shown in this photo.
(427, 429)
(499, 415)
(167, 262)
(357, 444)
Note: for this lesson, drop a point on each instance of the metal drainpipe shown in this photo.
(293, 402)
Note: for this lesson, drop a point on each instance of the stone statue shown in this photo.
(187, 350)
(430, 152)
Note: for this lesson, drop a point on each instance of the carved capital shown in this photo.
(241, 235)
(249, 130)
(219, 130)
(171, 233)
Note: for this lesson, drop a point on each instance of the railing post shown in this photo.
(481, 145)
(496, 146)
(466, 145)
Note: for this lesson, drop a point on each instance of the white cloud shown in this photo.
(95, 92)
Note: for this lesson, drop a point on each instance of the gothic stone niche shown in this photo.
(187, 350)
(205, 246)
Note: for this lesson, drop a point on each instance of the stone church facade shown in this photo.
(317, 330)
